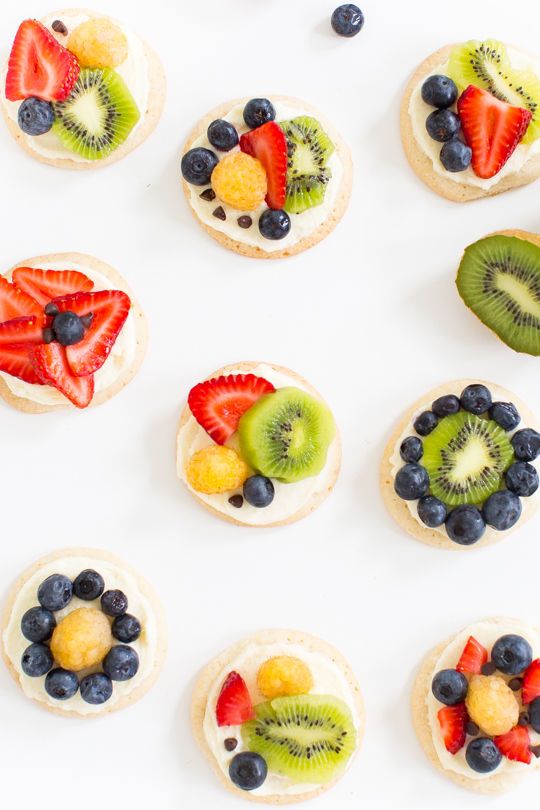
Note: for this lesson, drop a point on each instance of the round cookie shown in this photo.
(398, 507)
(209, 674)
(421, 163)
(245, 367)
(143, 587)
(325, 228)
(152, 114)
(141, 329)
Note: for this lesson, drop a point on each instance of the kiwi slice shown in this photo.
(486, 64)
(308, 151)
(308, 738)
(97, 116)
(466, 457)
(499, 279)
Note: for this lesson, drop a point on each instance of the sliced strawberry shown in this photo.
(453, 722)
(515, 745)
(17, 361)
(473, 657)
(218, 404)
(234, 705)
(44, 285)
(531, 682)
(39, 66)
(52, 368)
(492, 128)
(269, 144)
(22, 330)
(14, 302)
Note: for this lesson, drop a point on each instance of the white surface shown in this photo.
(371, 317)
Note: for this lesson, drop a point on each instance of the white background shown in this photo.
(371, 316)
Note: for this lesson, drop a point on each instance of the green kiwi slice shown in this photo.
(286, 435)
(97, 116)
(308, 738)
(486, 64)
(308, 150)
(499, 279)
(466, 457)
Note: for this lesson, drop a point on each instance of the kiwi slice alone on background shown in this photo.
(308, 151)
(286, 435)
(308, 738)
(499, 279)
(466, 457)
(97, 116)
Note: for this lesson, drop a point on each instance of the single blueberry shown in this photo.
(425, 423)
(197, 166)
(465, 525)
(439, 91)
(96, 688)
(258, 111)
(412, 481)
(502, 510)
(274, 224)
(347, 20)
(476, 399)
(526, 444)
(38, 624)
(456, 156)
(511, 654)
(248, 770)
(35, 117)
(61, 684)
(36, 660)
(68, 328)
(55, 592)
(442, 125)
(522, 478)
(121, 663)
(222, 135)
(126, 628)
(88, 585)
(482, 755)
(534, 714)
(450, 686)
(431, 511)
(114, 603)
(505, 414)
(446, 405)
(411, 449)
(258, 491)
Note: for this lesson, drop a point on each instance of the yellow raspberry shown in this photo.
(98, 43)
(82, 639)
(216, 469)
(491, 704)
(284, 675)
(239, 180)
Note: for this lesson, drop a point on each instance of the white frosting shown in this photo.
(487, 634)
(138, 605)
(328, 680)
(302, 225)
(134, 70)
(288, 498)
(419, 111)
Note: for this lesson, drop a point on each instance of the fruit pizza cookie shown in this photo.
(79, 90)
(470, 120)
(476, 705)
(267, 178)
(71, 333)
(461, 467)
(279, 715)
(83, 634)
(257, 445)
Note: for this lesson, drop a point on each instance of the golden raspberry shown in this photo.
(284, 675)
(82, 639)
(491, 704)
(239, 180)
(216, 469)
(98, 43)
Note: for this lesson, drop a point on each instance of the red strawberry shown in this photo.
(269, 144)
(515, 744)
(218, 404)
(453, 721)
(52, 368)
(22, 330)
(14, 302)
(16, 360)
(39, 66)
(473, 657)
(44, 285)
(531, 682)
(491, 127)
(234, 705)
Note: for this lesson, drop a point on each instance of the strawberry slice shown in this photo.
(269, 145)
(218, 404)
(51, 365)
(14, 302)
(453, 722)
(515, 745)
(530, 689)
(39, 66)
(17, 361)
(22, 330)
(234, 705)
(44, 285)
(473, 657)
(492, 128)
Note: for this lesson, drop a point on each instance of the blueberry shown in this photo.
(505, 414)
(35, 117)
(502, 510)
(476, 399)
(68, 328)
(197, 166)
(258, 111)
(446, 405)
(248, 770)
(36, 660)
(534, 714)
(96, 688)
(222, 135)
(411, 449)
(88, 585)
(482, 755)
(412, 481)
(526, 444)
(61, 684)
(347, 20)
(274, 224)
(522, 478)
(114, 603)
(456, 156)
(450, 686)
(55, 592)
(442, 125)
(511, 654)
(465, 525)
(425, 423)
(126, 628)
(259, 491)
(431, 511)
(38, 624)
(439, 91)
(121, 663)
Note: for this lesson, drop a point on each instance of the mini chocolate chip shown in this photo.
(523, 719)
(219, 213)
(51, 309)
(209, 194)
(535, 749)
(472, 729)
(489, 668)
(59, 27)
(245, 222)
(236, 500)
(87, 320)
(48, 335)
(515, 684)
(231, 743)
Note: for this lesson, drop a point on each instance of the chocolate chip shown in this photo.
(219, 213)
(87, 320)
(48, 335)
(489, 668)
(51, 309)
(515, 684)
(472, 729)
(535, 749)
(236, 500)
(245, 222)
(523, 719)
(59, 27)
(209, 194)
(230, 743)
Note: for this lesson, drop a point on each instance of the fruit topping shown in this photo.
(456, 156)
(482, 755)
(234, 705)
(55, 592)
(81, 639)
(526, 444)
(89, 585)
(247, 770)
(239, 180)
(96, 688)
(411, 449)
(442, 125)
(465, 525)
(473, 657)
(505, 414)
(22, 330)
(36, 660)
(114, 603)
(411, 482)
(491, 704)
(439, 91)
(347, 20)
(34, 116)
(284, 675)
(121, 663)
(258, 491)
(511, 654)
(68, 328)
(216, 469)
(502, 510)
(515, 745)
(198, 165)
(98, 42)
(531, 682)
(17, 361)
(425, 423)
(258, 111)
(126, 628)
(44, 285)
(274, 224)
(476, 399)
(37, 624)
(222, 135)
(15, 302)
(446, 405)
(453, 723)
(61, 684)
(52, 368)
(269, 145)
(431, 511)
(449, 687)
(309, 148)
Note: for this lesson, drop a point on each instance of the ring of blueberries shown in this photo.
(121, 663)
(466, 523)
